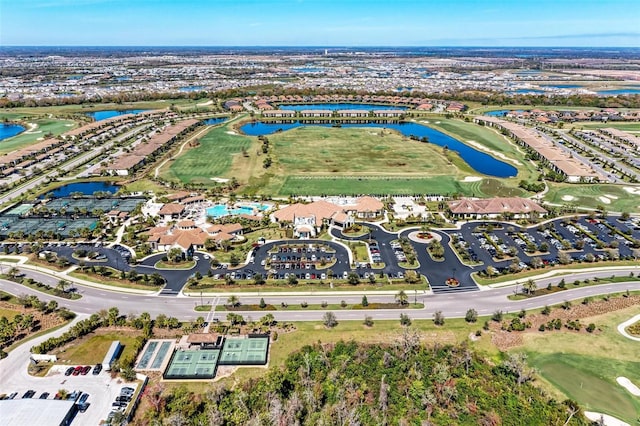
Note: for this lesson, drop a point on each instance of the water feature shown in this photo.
(479, 161)
(562, 86)
(335, 106)
(526, 92)
(629, 91)
(500, 112)
(217, 120)
(191, 88)
(86, 188)
(103, 115)
(9, 130)
(221, 210)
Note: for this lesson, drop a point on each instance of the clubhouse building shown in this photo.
(308, 219)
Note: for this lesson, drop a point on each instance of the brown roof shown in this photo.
(496, 205)
(319, 209)
(369, 204)
(171, 208)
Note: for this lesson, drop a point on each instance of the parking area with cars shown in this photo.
(579, 239)
(92, 391)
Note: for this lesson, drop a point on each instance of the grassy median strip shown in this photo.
(308, 307)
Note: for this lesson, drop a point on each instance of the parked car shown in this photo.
(85, 370)
(83, 398)
(45, 395)
(69, 371)
(28, 394)
(97, 369)
(77, 370)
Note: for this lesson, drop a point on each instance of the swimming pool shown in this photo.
(221, 210)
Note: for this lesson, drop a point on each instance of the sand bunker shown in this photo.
(231, 132)
(608, 420)
(605, 200)
(219, 180)
(471, 179)
(492, 152)
(205, 103)
(613, 197)
(568, 198)
(632, 190)
(628, 385)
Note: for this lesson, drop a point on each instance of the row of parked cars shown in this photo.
(80, 398)
(83, 370)
(121, 402)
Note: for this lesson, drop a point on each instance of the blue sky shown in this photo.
(590, 23)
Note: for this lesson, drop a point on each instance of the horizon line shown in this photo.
(321, 46)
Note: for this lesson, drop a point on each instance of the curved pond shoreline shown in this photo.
(477, 160)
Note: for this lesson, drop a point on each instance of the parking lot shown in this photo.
(96, 392)
(581, 239)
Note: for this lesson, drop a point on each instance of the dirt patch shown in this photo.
(504, 339)
(41, 321)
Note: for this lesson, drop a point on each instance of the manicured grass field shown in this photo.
(334, 161)
(584, 367)
(592, 381)
(45, 125)
(632, 127)
(489, 138)
(92, 349)
(213, 158)
(588, 196)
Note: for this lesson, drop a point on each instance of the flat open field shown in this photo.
(320, 160)
(584, 367)
(43, 127)
(92, 348)
(218, 150)
(593, 195)
(631, 127)
(26, 112)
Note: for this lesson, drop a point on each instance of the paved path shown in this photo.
(622, 328)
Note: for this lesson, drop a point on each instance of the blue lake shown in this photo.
(191, 88)
(479, 161)
(86, 188)
(335, 107)
(103, 115)
(619, 92)
(499, 112)
(210, 121)
(562, 86)
(9, 130)
(526, 91)
(308, 69)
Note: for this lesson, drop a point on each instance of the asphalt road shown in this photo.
(451, 305)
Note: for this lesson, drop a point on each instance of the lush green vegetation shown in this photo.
(592, 381)
(574, 195)
(351, 383)
(44, 127)
(212, 158)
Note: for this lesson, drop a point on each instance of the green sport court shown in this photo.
(251, 351)
(193, 364)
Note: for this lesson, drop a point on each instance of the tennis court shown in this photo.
(192, 364)
(250, 351)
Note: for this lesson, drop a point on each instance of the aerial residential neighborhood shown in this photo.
(223, 214)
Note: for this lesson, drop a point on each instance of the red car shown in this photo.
(85, 370)
(77, 370)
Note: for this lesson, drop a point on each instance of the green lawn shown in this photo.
(332, 161)
(589, 196)
(592, 382)
(8, 313)
(632, 127)
(213, 158)
(585, 366)
(92, 349)
(44, 126)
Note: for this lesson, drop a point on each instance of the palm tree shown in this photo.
(530, 287)
(233, 301)
(62, 285)
(402, 298)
